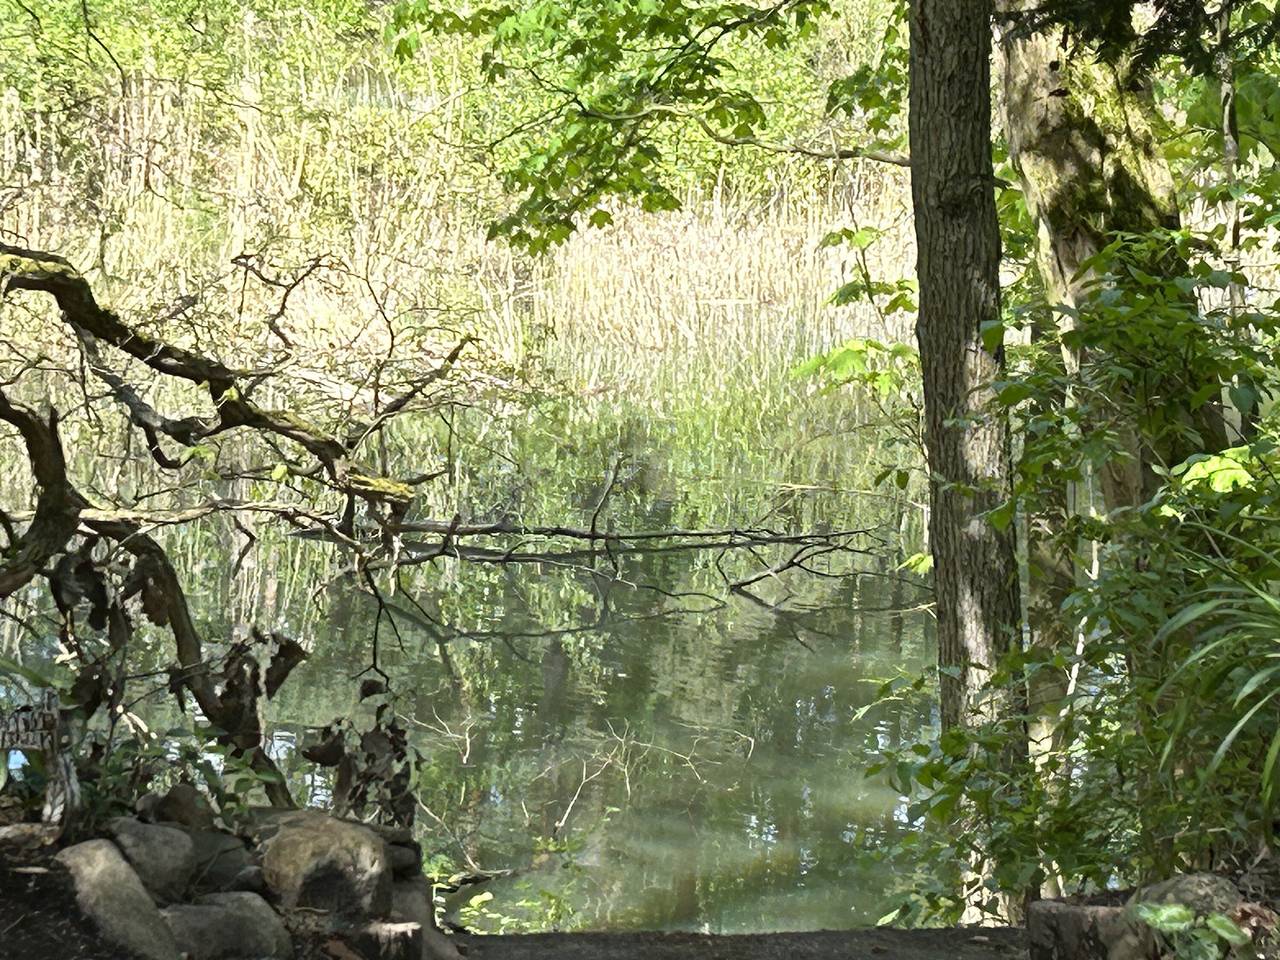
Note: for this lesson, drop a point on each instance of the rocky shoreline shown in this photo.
(173, 884)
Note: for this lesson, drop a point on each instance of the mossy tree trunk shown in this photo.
(1089, 166)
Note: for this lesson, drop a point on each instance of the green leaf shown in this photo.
(920, 563)
(279, 472)
(1189, 615)
(992, 335)
(1011, 394)
(1230, 738)
(1003, 515)
(1226, 928)
(890, 917)
(1222, 472)
(15, 669)
(1166, 917)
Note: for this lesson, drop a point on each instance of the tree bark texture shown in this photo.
(1089, 167)
(966, 433)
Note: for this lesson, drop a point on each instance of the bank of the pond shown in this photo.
(39, 920)
(878, 943)
(41, 915)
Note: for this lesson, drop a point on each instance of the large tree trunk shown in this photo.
(1089, 167)
(1078, 185)
(966, 433)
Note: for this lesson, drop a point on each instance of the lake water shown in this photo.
(623, 739)
(642, 748)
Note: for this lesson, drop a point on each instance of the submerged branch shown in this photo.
(426, 552)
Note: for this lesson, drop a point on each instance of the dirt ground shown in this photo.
(878, 944)
(39, 919)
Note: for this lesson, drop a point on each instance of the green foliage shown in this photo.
(1164, 749)
(1199, 938)
(536, 905)
(1119, 31)
(620, 84)
(1154, 359)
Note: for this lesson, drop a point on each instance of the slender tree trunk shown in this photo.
(966, 433)
(1224, 62)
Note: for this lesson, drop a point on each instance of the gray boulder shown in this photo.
(229, 926)
(406, 859)
(249, 879)
(1202, 893)
(411, 900)
(221, 861)
(312, 860)
(185, 805)
(111, 895)
(164, 857)
(1062, 930)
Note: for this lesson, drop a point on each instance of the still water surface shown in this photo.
(638, 766)
(622, 739)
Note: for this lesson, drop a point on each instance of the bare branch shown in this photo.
(58, 505)
(48, 273)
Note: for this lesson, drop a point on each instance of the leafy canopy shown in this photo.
(621, 80)
(1140, 34)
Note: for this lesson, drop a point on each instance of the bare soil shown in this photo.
(39, 919)
(875, 944)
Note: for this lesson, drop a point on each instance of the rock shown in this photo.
(384, 940)
(145, 807)
(110, 893)
(229, 926)
(164, 857)
(1203, 893)
(185, 805)
(29, 836)
(313, 860)
(221, 860)
(1061, 930)
(411, 901)
(406, 860)
(249, 879)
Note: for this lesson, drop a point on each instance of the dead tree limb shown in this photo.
(58, 505)
(228, 388)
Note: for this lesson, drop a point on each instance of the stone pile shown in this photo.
(1080, 930)
(169, 885)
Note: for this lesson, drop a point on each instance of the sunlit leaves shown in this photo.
(1220, 472)
(615, 74)
(884, 368)
(1166, 917)
(876, 93)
